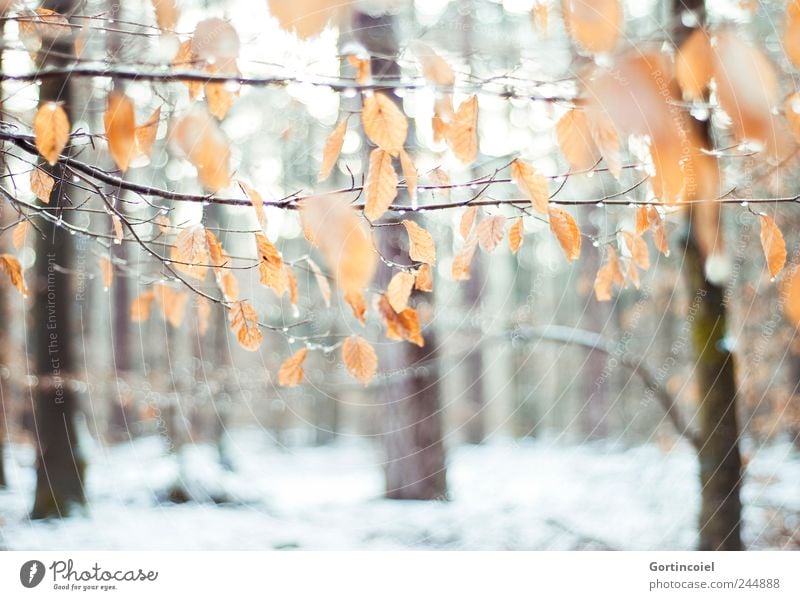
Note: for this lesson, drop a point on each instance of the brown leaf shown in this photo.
(306, 18)
(403, 325)
(215, 41)
(271, 271)
(773, 244)
(20, 232)
(608, 275)
(257, 202)
(106, 271)
(790, 291)
(219, 98)
(244, 323)
(190, 252)
(172, 304)
(399, 290)
(184, 60)
(360, 359)
(51, 131)
(199, 137)
(463, 259)
(642, 220)
(463, 131)
(140, 307)
(467, 220)
(145, 134)
(120, 124)
(532, 183)
(638, 249)
(491, 231)
(12, 267)
(166, 14)
(291, 372)
(434, 68)
(358, 305)
(384, 123)
(594, 25)
(216, 254)
(791, 33)
(421, 245)
(409, 174)
(332, 225)
(659, 232)
(694, 65)
(381, 187)
(575, 140)
(229, 286)
(424, 279)
(566, 231)
(516, 235)
(322, 282)
(42, 184)
(333, 147)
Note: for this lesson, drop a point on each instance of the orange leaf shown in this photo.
(403, 325)
(434, 68)
(462, 261)
(51, 131)
(244, 323)
(399, 290)
(116, 223)
(190, 252)
(595, 25)
(106, 270)
(363, 68)
(12, 267)
(203, 311)
(608, 275)
(42, 184)
(381, 186)
(409, 174)
(199, 137)
(145, 134)
(120, 124)
(424, 279)
(463, 131)
(575, 140)
(638, 249)
(20, 231)
(491, 231)
(384, 123)
(140, 307)
(515, 235)
(172, 304)
(467, 220)
(532, 183)
(257, 202)
(566, 231)
(773, 244)
(659, 233)
(332, 149)
(358, 305)
(270, 269)
(693, 65)
(291, 371)
(359, 358)
(421, 245)
(166, 14)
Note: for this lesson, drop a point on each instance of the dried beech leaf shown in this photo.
(120, 124)
(462, 261)
(20, 232)
(333, 147)
(399, 290)
(575, 140)
(409, 174)
(203, 313)
(257, 202)
(145, 134)
(42, 184)
(384, 123)
(106, 271)
(566, 231)
(363, 68)
(638, 249)
(515, 235)
(358, 305)
(491, 231)
(190, 252)
(773, 244)
(381, 187)
(51, 131)
(594, 25)
(462, 133)
(140, 307)
(167, 14)
(270, 268)
(360, 359)
(532, 183)
(421, 245)
(244, 323)
(424, 279)
(467, 221)
(403, 325)
(291, 372)
(199, 137)
(13, 269)
(694, 65)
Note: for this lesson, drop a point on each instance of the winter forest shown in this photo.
(400, 274)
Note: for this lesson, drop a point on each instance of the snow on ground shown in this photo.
(504, 495)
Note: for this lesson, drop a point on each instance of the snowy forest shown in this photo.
(400, 274)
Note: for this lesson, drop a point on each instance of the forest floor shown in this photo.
(527, 495)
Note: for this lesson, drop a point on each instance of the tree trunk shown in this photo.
(718, 451)
(415, 468)
(59, 466)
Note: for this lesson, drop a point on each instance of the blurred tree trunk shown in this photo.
(718, 451)
(60, 466)
(412, 435)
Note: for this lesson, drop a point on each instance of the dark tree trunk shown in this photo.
(60, 466)
(718, 450)
(415, 466)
